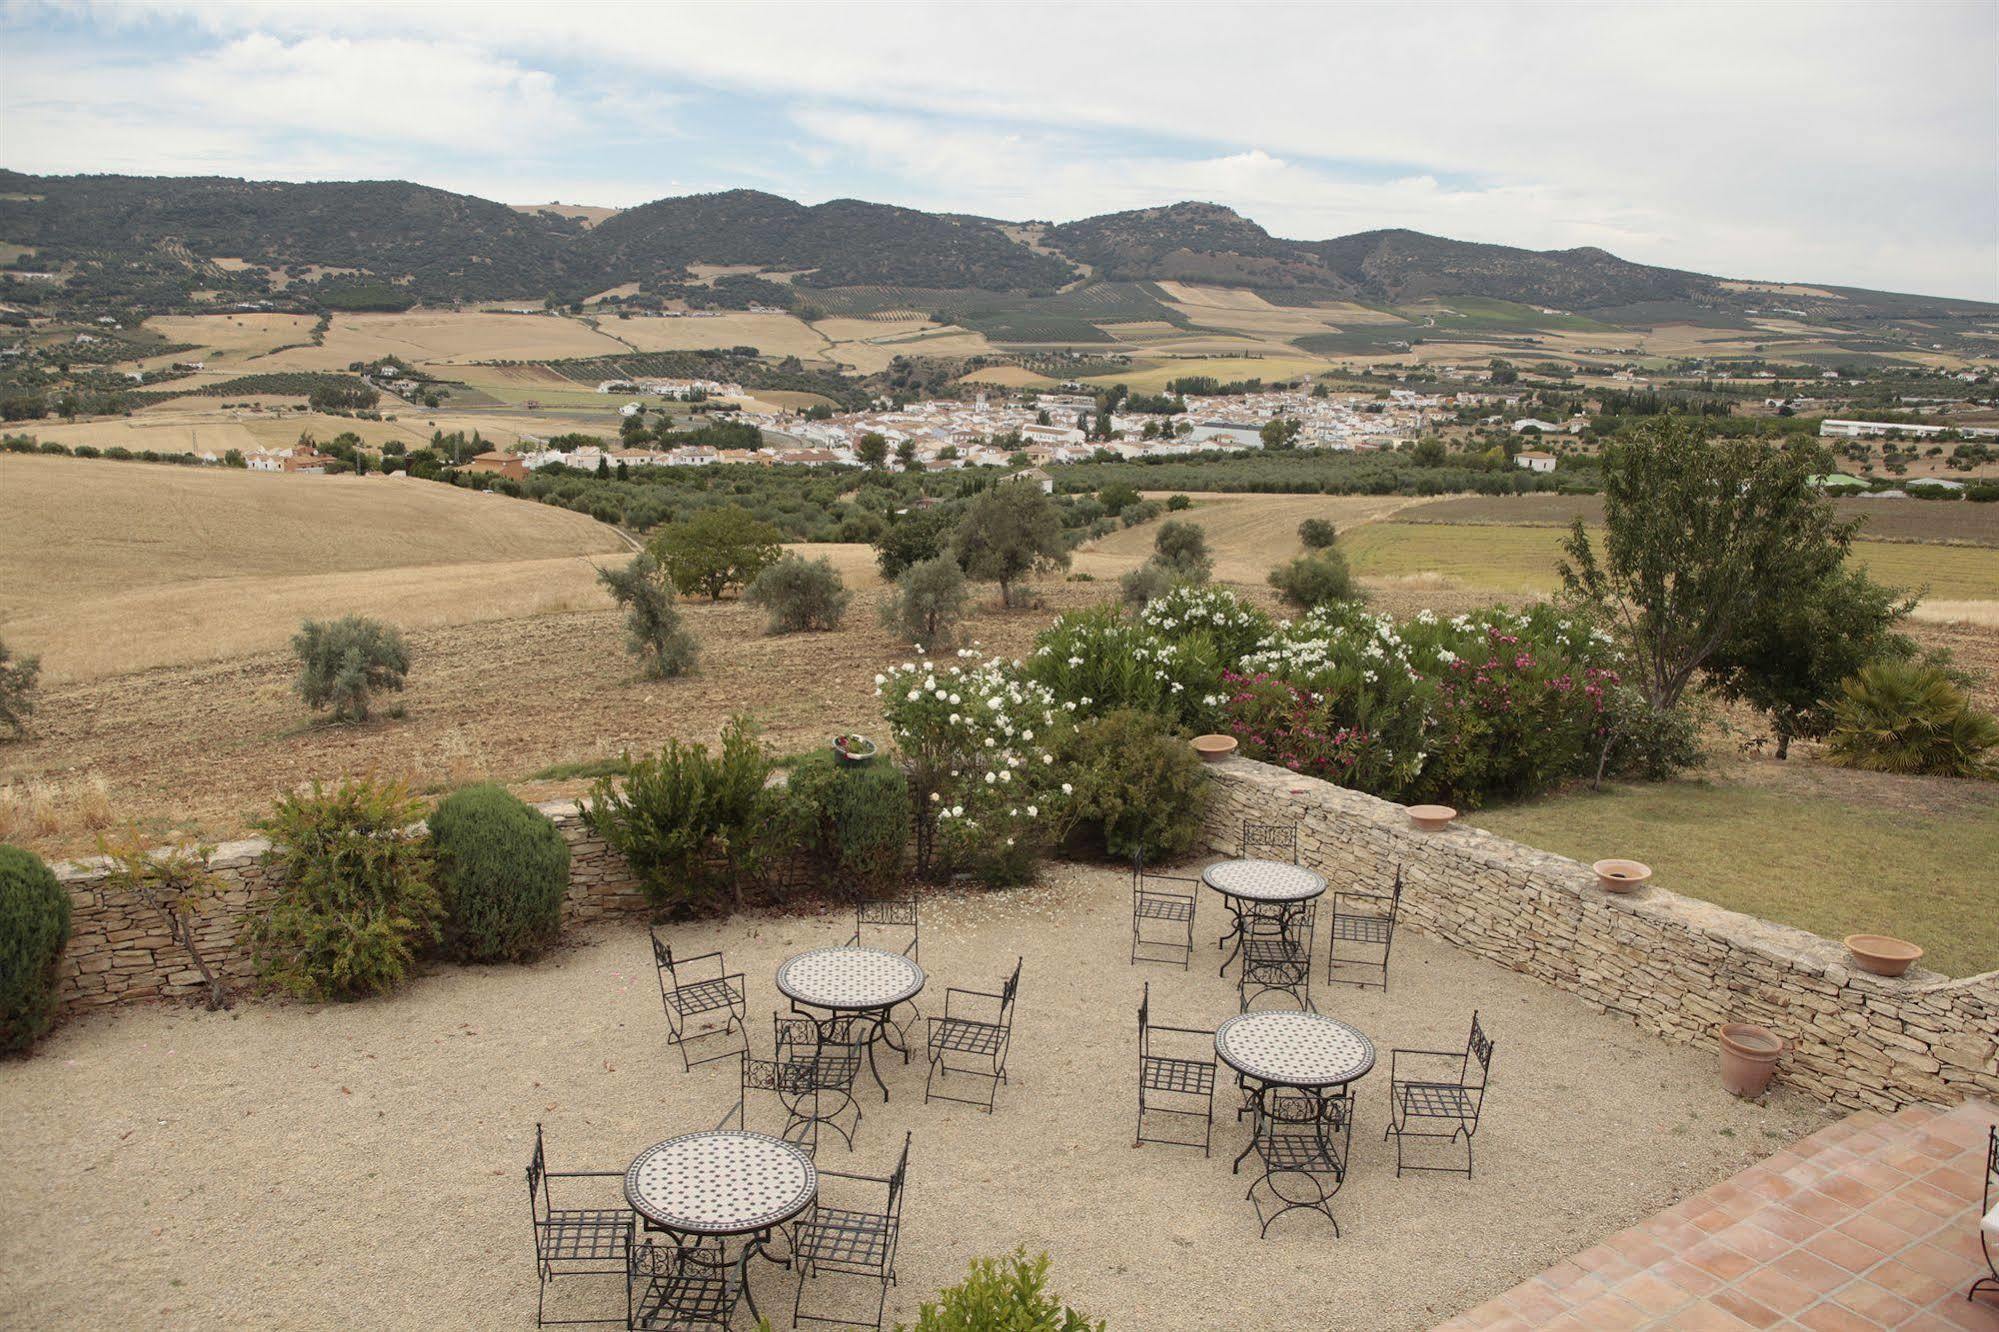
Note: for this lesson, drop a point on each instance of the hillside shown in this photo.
(157, 242)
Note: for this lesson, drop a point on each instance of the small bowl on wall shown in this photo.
(1881, 954)
(1430, 818)
(1620, 876)
(1214, 748)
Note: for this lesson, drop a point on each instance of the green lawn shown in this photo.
(1830, 851)
(1512, 558)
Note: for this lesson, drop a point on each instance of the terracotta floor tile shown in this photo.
(1704, 1318)
(1963, 1185)
(1688, 1277)
(1854, 1255)
(1786, 1295)
(1718, 1260)
(1711, 1219)
(1906, 1281)
(1883, 1306)
(1930, 1198)
(1535, 1302)
(1734, 1302)
(1962, 1313)
(1749, 1238)
(1651, 1293)
(1836, 1318)
(1850, 1191)
(1608, 1313)
(1812, 1272)
(1793, 1226)
(1940, 1262)
(1873, 1230)
(1826, 1209)
(1912, 1219)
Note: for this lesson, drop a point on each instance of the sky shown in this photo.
(1854, 144)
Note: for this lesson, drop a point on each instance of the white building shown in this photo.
(1229, 434)
(1534, 460)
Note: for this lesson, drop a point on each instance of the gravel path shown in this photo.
(361, 1165)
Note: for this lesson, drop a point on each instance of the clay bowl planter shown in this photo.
(1430, 818)
(1881, 954)
(1620, 876)
(1749, 1055)
(1214, 748)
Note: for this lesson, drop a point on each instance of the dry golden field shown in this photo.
(1247, 534)
(771, 334)
(1153, 376)
(1008, 376)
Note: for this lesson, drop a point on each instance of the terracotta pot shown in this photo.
(1882, 954)
(1620, 876)
(1214, 748)
(1431, 817)
(1749, 1055)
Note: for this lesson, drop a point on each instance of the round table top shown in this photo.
(854, 979)
(1294, 1049)
(1264, 880)
(721, 1182)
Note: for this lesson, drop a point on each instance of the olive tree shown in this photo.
(1009, 533)
(715, 550)
(18, 677)
(653, 633)
(344, 663)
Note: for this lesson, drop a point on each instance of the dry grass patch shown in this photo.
(442, 337)
(64, 810)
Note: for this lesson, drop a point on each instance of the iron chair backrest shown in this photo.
(1478, 1051)
(1006, 996)
(890, 913)
(1272, 836)
(794, 1035)
(1991, 1166)
(896, 1180)
(1144, 1023)
(539, 1205)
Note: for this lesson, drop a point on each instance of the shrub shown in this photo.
(18, 677)
(343, 663)
(356, 898)
(928, 602)
(1142, 512)
(856, 820)
(34, 929)
(1910, 717)
(1649, 744)
(1316, 579)
(980, 744)
(1183, 548)
(502, 871)
(1317, 533)
(694, 825)
(920, 535)
(1140, 784)
(653, 633)
(1148, 582)
(800, 594)
(1234, 626)
(1001, 1295)
(1095, 661)
(1177, 503)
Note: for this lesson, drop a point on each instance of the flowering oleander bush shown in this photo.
(1232, 625)
(980, 740)
(1099, 661)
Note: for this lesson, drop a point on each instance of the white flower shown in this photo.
(1013, 813)
(954, 719)
(1005, 776)
(915, 694)
(934, 797)
(953, 699)
(1027, 735)
(1033, 812)
(990, 779)
(957, 811)
(1067, 789)
(881, 679)
(1047, 758)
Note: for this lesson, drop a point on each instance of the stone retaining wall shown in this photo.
(1675, 966)
(119, 951)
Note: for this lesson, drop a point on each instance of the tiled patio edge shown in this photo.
(1676, 966)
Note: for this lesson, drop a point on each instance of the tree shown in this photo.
(1315, 578)
(1009, 533)
(1279, 432)
(178, 886)
(1701, 536)
(653, 633)
(1789, 660)
(1116, 495)
(800, 594)
(872, 448)
(916, 536)
(1430, 452)
(905, 454)
(1317, 533)
(715, 550)
(927, 603)
(344, 663)
(234, 458)
(18, 678)
(1183, 548)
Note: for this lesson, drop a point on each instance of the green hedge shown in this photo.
(34, 927)
(856, 820)
(502, 871)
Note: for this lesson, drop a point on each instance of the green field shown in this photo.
(1832, 852)
(1522, 559)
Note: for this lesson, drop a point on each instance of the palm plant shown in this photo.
(1909, 717)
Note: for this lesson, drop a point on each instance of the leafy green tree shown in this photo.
(1317, 533)
(800, 595)
(1279, 432)
(344, 663)
(1790, 659)
(1115, 496)
(234, 458)
(18, 678)
(715, 550)
(872, 448)
(928, 602)
(653, 632)
(1183, 547)
(905, 454)
(1701, 537)
(916, 536)
(1430, 452)
(1910, 717)
(34, 929)
(1315, 578)
(1009, 533)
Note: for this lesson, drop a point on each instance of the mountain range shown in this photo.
(144, 238)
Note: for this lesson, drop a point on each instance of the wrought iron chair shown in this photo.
(672, 1287)
(1259, 840)
(1169, 900)
(1173, 1084)
(1989, 1246)
(978, 1028)
(1304, 1139)
(1277, 958)
(694, 998)
(1442, 1102)
(811, 1079)
(573, 1241)
(846, 1242)
(1370, 928)
(879, 923)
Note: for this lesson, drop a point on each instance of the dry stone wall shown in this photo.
(1674, 966)
(119, 950)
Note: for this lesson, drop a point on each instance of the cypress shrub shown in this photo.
(857, 820)
(34, 927)
(502, 870)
